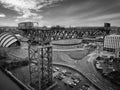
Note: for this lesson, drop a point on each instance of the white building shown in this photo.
(8, 40)
(112, 43)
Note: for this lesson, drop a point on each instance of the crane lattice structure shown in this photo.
(40, 66)
(40, 57)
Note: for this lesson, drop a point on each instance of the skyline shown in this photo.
(60, 12)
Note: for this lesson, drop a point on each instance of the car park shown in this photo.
(69, 80)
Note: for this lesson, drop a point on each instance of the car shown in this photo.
(64, 71)
(85, 86)
(76, 81)
(66, 75)
(57, 68)
(59, 77)
(55, 74)
(54, 70)
(72, 84)
(67, 72)
(63, 76)
(69, 82)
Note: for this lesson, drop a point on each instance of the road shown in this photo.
(90, 71)
(87, 68)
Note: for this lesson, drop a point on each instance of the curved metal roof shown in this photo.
(6, 39)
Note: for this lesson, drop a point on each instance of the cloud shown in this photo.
(2, 15)
(105, 17)
(17, 20)
(25, 8)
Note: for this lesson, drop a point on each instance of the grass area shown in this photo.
(77, 55)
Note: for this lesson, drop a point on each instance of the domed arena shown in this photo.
(8, 40)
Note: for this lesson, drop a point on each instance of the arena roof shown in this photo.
(7, 39)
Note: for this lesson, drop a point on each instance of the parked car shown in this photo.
(76, 81)
(69, 82)
(60, 76)
(85, 86)
(64, 71)
(72, 84)
(57, 68)
(54, 70)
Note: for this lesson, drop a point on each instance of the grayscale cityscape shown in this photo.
(59, 45)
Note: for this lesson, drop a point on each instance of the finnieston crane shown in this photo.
(40, 56)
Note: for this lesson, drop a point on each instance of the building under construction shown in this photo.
(40, 56)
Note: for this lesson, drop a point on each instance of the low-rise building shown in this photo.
(112, 44)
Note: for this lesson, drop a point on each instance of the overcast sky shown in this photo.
(60, 12)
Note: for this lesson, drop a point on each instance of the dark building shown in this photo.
(107, 25)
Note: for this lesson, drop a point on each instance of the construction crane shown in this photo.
(40, 56)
